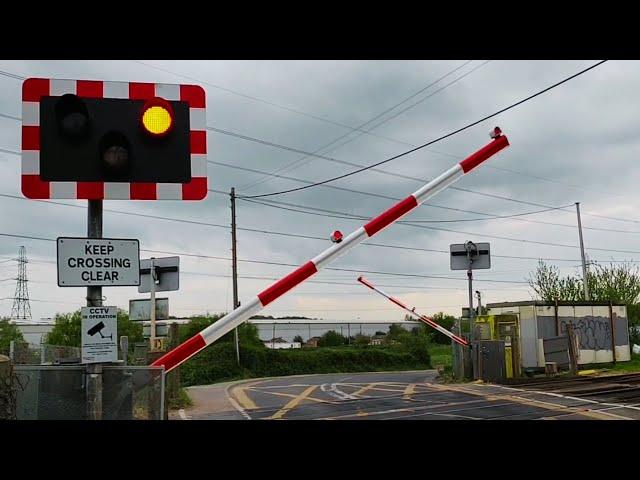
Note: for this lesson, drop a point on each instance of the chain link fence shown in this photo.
(56, 392)
(23, 353)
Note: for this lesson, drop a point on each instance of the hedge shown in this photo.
(218, 362)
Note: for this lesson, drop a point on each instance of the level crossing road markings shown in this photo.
(290, 395)
(418, 409)
(410, 390)
(378, 386)
(293, 403)
(243, 399)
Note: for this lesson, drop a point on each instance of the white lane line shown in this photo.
(242, 411)
(331, 389)
(346, 396)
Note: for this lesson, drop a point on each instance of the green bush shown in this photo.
(218, 363)
(332, 339)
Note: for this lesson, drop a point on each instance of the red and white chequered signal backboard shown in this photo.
(33, 186)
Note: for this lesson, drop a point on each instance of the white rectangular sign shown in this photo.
(98, 261)
(99, 334)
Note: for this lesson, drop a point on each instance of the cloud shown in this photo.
(582, 133)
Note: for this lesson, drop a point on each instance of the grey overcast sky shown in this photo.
(577, 142)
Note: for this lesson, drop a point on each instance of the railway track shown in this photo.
(610, 388)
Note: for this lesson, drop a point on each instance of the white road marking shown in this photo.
(346, 395)
(335, 392)
(242, 411)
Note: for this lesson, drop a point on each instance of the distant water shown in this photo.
(308, 330)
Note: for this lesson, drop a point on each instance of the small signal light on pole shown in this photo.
(336, 237)
(496, 132)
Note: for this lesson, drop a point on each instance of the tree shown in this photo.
(362, 340)
(298, 338)
(66, 330)
(8, 332)
(616, 283)
(444, 320)
(395, 331)
(331, 339)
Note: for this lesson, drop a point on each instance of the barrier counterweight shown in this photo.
(241, 314)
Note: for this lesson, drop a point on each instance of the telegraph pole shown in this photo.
(234, 266)
(584, 261)
(479, 302)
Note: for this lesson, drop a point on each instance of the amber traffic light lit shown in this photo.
(157, 117)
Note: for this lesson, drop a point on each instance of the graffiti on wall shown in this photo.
(594, 333)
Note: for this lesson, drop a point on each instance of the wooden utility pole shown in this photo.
(234, 267)
(573, 355)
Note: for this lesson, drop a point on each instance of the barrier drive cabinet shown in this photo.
(601, 329)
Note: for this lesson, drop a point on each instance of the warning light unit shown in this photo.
(96, 140)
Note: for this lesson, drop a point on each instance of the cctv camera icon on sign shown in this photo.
(97, 328)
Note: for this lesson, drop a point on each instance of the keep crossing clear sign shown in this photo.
(99, 334)
(86, 262)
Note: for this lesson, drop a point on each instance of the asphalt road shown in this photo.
(385, 396)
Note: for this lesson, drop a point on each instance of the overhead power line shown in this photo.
(311, 237)
(297, 163)
(264, 262)
(515, 216)
(352, 129)
(431, 205)
(362, 217)
(450, 134)
(261, 100)
(278, 233)
(355, 165)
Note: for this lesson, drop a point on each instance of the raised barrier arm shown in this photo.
(423, 318)
(186, 350)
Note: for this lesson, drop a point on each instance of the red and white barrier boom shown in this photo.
(230, 321)
(423, 318)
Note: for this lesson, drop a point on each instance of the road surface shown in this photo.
(413, 395)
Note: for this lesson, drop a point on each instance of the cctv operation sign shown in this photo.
(98, 262)
(99, 334)
(99, 140)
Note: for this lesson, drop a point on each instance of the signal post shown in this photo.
(95, 141)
